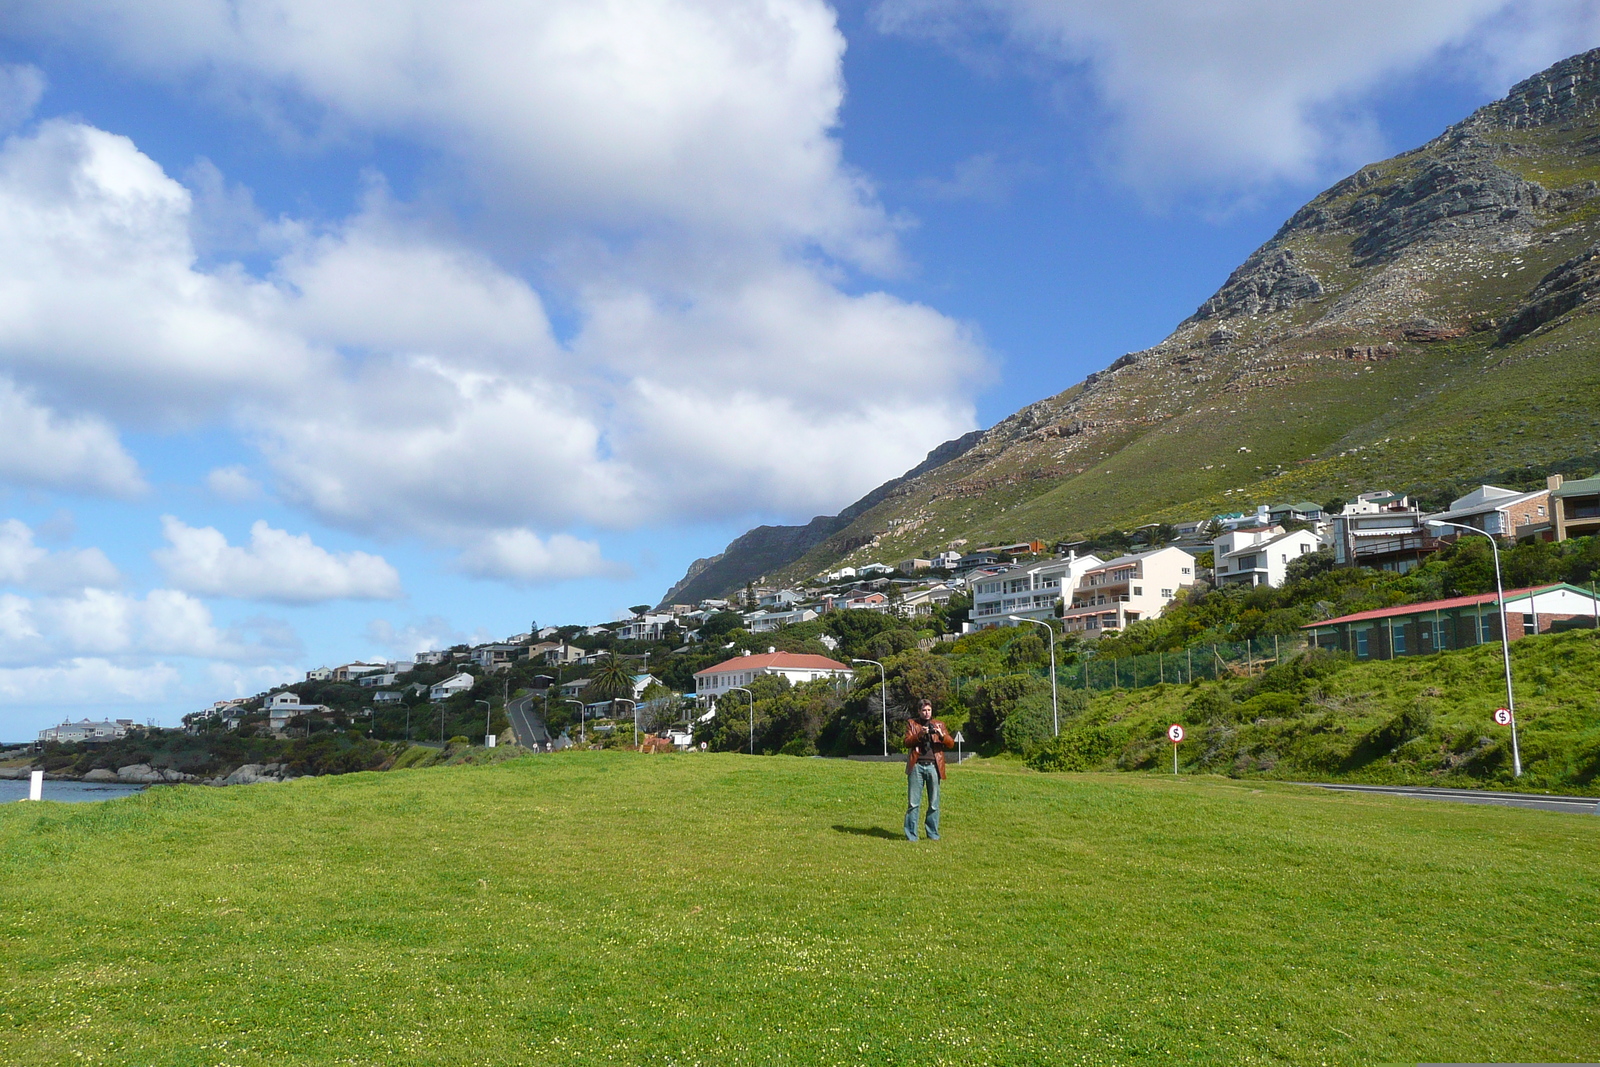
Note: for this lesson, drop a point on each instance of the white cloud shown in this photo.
(104, 623)
(88, 680)
(524, 558)
(423, 635)
(40, 447)
(24, 563)
(276, 566)
(21, 86)
(1256, 91)
(233, 484)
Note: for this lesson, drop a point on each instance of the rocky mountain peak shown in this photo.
(1569, 90)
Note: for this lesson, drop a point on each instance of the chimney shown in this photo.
(771, 649)
(1554, 482)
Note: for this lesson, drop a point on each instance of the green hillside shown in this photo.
(1423, 325)
(619, 908)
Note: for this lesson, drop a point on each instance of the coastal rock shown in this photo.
(249, 774)
(15, 772)
(101, 774)
(139, 774)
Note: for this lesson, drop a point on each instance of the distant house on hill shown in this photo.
(741, 670)
(456, 683)
(1127, 589)
(281, 707)
(1384, 531)
(85, 730)
(1501, 512)
(1259, 555)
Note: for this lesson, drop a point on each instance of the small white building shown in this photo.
(388, 696)
(1495, 511)
(741, 670)
(430, 659)
(1127, 589)
(649, 627)
(283, 706)
(491, 657)
(1259, 555)
(370, 681)
(763, 621)
(874, 570)
(321, 674)
(456, 683)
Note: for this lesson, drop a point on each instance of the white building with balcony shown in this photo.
(1259, 555)
(1127, 589)
(1031, 590)
(742, 670)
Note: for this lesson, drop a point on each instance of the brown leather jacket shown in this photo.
(941, 736)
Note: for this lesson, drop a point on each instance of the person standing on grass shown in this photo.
(926, 741)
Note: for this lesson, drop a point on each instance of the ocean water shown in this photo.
(69, 792)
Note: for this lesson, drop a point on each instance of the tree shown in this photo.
(613, 678)
(639, 609)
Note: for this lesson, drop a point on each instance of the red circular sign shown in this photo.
(1175, 733)
(1503, 716)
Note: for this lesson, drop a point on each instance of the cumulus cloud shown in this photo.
(88, 680)
(233, 484)
(43, 448)
(422, 635)
(103, 623)
(23, 563)
(1251, 92)
(276, 565)
(21, 86)
(524, 558)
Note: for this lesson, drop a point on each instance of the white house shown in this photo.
(944, 560)
(388, 696)
(1031, 590)
(840, 575)
(69, 732)
(762, 621)
(1259, 555)
(352, 671)
(780, 599)
(321, 674)
(645, 627)
(741, 670)
(1127, 589)
(923, 601)
(456, 683)
(492, 657)
(283, 706)
(1382, 530)
(873, 570)
(430, 659)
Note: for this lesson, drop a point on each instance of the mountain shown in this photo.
(1424, 324)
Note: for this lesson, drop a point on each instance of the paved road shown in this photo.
(1576, 805)
(527, 721)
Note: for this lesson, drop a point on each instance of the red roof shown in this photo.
(1432, 605)
(793, 660)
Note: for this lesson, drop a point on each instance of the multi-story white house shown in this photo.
(741, 670)
(491, 657)
(1259, 555)
(645, 627)
(763, 621)
(1382, 530)
(281, 707)
(428, 659)
(321, 674)
(1031, 590)
(1127, 589)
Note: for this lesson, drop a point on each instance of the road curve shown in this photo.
(1573, 805)
(527, 722)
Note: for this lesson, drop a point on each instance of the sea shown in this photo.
(68, 792)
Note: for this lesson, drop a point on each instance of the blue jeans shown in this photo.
(924, 778)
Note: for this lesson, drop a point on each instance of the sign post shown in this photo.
(36, 785)
(959, 740)
(1503, 716)
(1175, 735)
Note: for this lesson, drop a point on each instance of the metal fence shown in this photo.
(1227, 659)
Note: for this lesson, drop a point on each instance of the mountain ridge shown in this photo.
(1445, 288)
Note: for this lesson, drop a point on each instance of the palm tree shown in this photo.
(613, 678)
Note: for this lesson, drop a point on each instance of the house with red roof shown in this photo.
(1459, 622)
(741, 670)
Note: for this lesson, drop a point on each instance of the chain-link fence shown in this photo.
(1227, 659)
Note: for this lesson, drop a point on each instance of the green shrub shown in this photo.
(1077, 750)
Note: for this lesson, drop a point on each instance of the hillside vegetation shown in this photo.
(1423, 325)
(619, 908)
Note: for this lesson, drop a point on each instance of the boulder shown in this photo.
(139, 774)
(101, 774)
(249, 774)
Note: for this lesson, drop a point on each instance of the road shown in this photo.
(527, 721)
(1575, 805)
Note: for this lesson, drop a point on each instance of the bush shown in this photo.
(1077, 750)
(1030, 722)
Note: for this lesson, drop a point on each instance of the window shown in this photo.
(1361, 642)
(1138, 590)
(1166, 592)
(1541, 510)
(1186, 570)
(1399, 641)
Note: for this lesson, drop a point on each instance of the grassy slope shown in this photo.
(681, 909)
(1325, 737)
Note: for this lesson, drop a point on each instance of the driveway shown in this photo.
(1574, 805)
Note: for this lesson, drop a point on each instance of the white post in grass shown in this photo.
(36, 786)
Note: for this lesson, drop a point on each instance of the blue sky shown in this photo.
(334, 330)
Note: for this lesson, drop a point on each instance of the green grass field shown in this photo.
(617, 908)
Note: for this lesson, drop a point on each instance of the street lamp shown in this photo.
(488, 710)
(752, 696)
(1055, 708)
(635, 704)
(583, 733)
(883, 677)
(1505, 637)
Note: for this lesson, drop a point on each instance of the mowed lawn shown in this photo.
(611, 907)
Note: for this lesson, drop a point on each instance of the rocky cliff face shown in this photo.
(1424, 321)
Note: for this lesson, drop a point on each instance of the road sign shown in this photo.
(959, 739)
(1175, 733)
(1503, 716)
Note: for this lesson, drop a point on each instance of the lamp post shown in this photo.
(583, 733)
(1055, 708)
(1505, 637)
(883, 677)
(752, 696)
(488, 711)
(635, 705)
